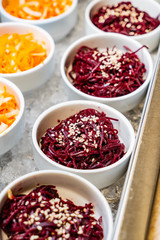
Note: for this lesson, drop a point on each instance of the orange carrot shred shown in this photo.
(16, 57)
(36, 9)
(8, 109)
(10, 194)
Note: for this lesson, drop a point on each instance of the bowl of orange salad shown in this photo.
(27, 55)
(57, 17)
(11, 115)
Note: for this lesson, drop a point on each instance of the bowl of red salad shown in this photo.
(89, 139)
(109, 68)
(137, 19)
(54, 205)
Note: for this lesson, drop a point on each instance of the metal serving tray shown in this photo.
(133, 220)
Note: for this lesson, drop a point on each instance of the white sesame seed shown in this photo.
(39, 228)
(26, 203)
(80, 231)
(34, 237)
(67, 226)
(66, 236)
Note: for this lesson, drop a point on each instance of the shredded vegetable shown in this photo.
(36, 9)
(8, 109)
(106, 72)
(124, 18)
(86, 140)
(20, 52)
(42, 214)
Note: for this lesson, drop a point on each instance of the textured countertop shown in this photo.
(19, 160)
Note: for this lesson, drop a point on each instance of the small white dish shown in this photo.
(101, 177)
(69, 186)
(33, 78)
(150, 39)
(12, 135)
(58, 27)
(102, 41)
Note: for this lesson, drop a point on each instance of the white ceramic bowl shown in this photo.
(12, 135)
(122, 103)
(33, 78)
(150, 39)
(69, 186)
(101, 177)
(58, 27)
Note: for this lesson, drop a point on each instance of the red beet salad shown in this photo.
(124, 18)
(44, 215)
(106, 73)
(86, 140)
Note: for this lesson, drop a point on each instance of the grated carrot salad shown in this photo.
(36, 9)
(20, 52)
(8, 109)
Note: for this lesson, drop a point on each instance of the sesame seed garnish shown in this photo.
(69, 222)
(26, 203)
(39, 228)
(34, 237)
(123, 18)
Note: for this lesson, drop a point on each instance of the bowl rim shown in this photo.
(116, 36)
(93, 188)
(138, 37)
(19, 94)
(40, 21)
(31, 28)
(76, 103)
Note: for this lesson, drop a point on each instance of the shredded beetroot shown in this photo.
(86, 140)
(124, 18)
(108, 73)
(43, 215)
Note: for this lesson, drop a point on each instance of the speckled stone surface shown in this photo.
(19, 160)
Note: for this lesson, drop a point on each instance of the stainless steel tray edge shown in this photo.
(137, 196)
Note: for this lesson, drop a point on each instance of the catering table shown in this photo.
(19, 160)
